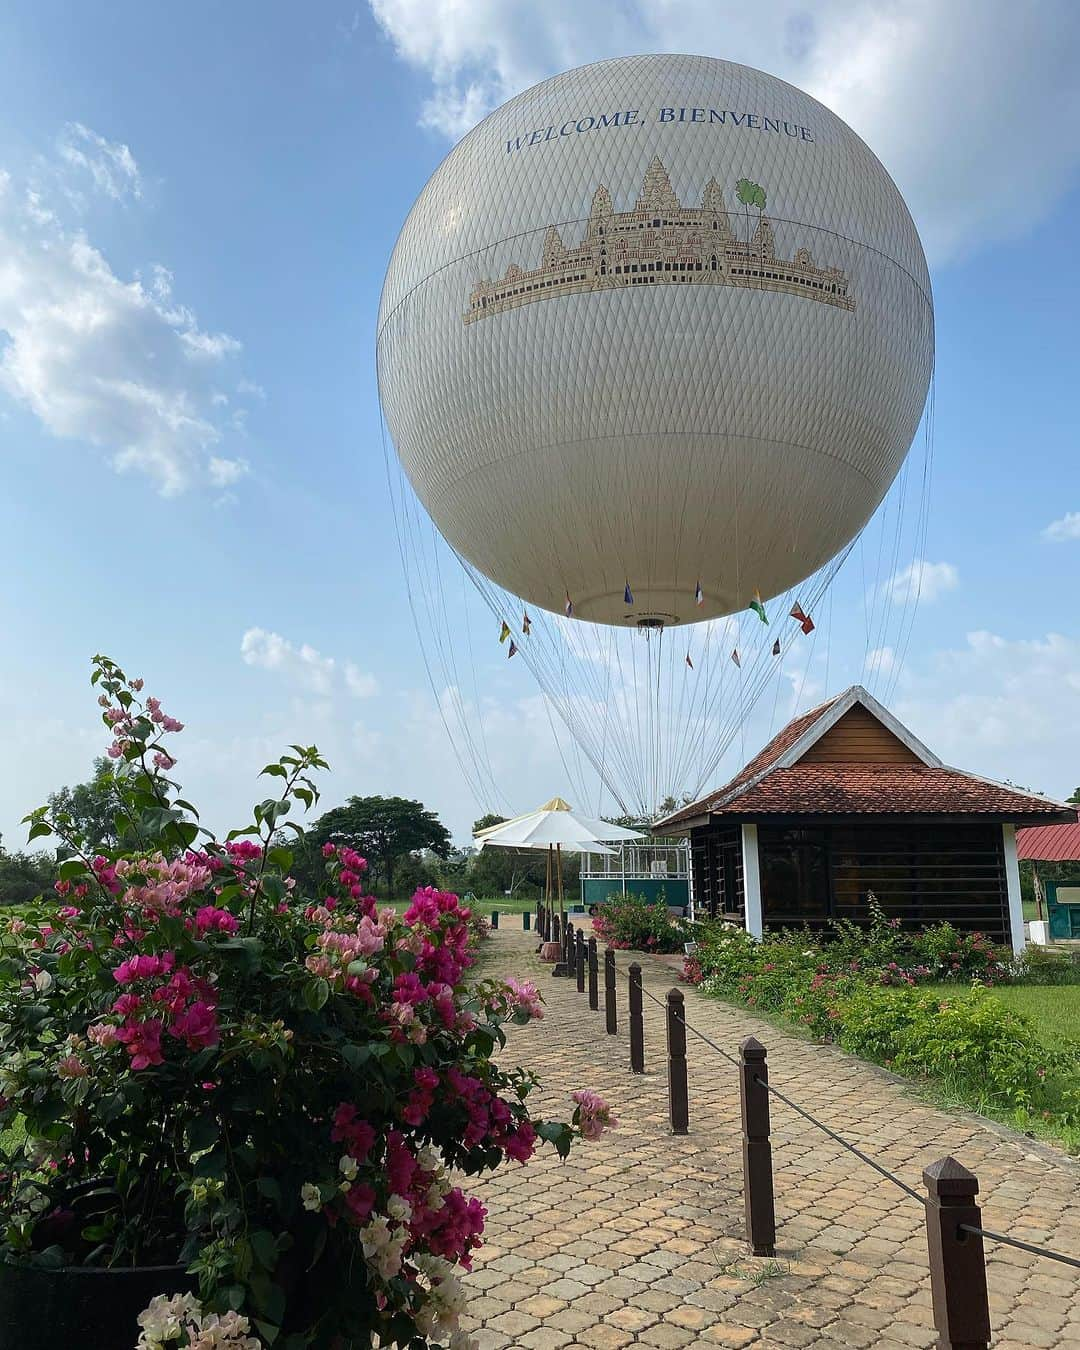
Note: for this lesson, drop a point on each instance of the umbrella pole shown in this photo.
(558, 867)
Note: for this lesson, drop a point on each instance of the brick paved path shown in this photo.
(636, 1239)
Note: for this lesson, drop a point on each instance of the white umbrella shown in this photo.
(555, 826)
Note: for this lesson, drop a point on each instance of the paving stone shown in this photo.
(637, 1238)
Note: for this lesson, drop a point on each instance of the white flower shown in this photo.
(311, 1196)
(43, 981)
(428, 1159)
(399, 1208)
(348, 1167)
(163, 1320)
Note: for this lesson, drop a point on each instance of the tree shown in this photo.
(92, 806)
(1074, 800)
(486, 822)
(384, 829)
(24, 876)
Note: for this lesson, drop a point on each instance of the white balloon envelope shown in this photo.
(656, 336)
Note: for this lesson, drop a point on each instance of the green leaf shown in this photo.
(275, 771)
(264, 1245)
(39, 830)
(268, 1187)
(281, 857)
(203, 1133)
(315, 995)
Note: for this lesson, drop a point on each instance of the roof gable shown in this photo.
(851, 755)
(832, 713)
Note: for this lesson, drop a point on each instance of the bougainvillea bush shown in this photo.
(204, 1068)
(632, 922)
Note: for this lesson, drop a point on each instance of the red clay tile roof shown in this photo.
(880, 789)
(856, 789)
(1049, 843)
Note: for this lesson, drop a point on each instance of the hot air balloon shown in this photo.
(653, 344)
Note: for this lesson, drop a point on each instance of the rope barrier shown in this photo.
(864, 1157)
(1048, 1252)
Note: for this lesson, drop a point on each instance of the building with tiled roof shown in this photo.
(845, 803)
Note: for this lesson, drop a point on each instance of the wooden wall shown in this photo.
(716, 859)
(859, 738)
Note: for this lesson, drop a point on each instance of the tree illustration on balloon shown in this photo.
(750, 194)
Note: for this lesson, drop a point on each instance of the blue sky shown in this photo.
(198, 207)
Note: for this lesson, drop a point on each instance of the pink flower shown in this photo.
(164, 761)
(143, 967)
(356, 1134)
(142, 1041)
(171, 724)
(209, 919)
(593, 1115)
(526, 998)
(104, 1034)
(197, 1026)
(71, 1066)
(328, 850)
(359, 1202)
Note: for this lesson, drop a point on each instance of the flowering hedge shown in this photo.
(271, 1090)
(861, 990)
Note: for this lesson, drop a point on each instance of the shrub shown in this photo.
(1044, 966)
(971, 1039)
(633, 922)
(270, 1091)
(951, 955)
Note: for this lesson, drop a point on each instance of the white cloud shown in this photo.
(880, 661)
(1067, 528)
(1008, 708)
(942, 93)
(225, 472)
(360, 683)
(302, 665)
(922, 580)
(110, 165)
(117, 364)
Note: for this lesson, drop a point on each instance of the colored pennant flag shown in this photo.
(504, 631)
(689, 662)
(776, 647)
(803, 619)
(735, 657)
(628, 595)
(699, 595)
(569, 606)
(758, 607)
(512, 651)
(526, 624)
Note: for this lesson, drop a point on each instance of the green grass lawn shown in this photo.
(1054, 1010)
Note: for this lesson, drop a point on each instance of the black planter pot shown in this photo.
(80, 1306)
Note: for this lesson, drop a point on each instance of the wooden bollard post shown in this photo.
(611, 1019)
(678, 1101)
(756, 1149)
(594, 976)
(957, 1263)
(637, 1024)
(579, 960)
(525, 920)
(494, 918)
(554, 928)
(566, 964)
